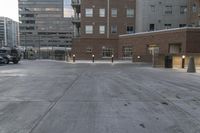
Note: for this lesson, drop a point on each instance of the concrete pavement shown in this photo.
(56, 97)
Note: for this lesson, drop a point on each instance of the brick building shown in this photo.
(100, 25)
(108, 28)
(159, 45)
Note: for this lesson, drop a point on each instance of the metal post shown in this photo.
(74, 58)
(183, 61)
(93, 58)
(112, 59)
(39, 47)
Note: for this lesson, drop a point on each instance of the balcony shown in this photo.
(76, 3)
(76, 20)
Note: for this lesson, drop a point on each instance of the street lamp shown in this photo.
(93, 58)
(183, 61)
(138, 57)
(112, 58)
(74, 57)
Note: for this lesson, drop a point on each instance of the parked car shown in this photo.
(2, 60)
(10, 55)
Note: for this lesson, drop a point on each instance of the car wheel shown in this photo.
(7, 61)
(15, 61)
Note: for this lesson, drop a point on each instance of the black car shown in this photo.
(2, 60)
(10, 55)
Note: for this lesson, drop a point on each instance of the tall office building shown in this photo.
(160, 14)
(97, 25)
(9, 32)
(42, 24)
(194, 13)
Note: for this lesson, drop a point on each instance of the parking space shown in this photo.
(58, 97)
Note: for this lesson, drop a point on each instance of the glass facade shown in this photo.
(44, 16)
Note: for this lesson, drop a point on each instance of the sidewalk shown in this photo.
(185, 69)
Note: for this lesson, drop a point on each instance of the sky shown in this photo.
(9, 8)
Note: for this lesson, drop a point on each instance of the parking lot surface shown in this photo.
(56, 97)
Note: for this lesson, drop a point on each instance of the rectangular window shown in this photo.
(194, 8)
(102, 29)
(89, 29)
(152, 27)
(114, 12)
(153, 8)
(127, 51)
(89, 12)
(168, 26)
(130, 13)
(102, 12)
(114, 29)
(175, 48)
(183, 9)
(107, 52)
(168, 9)
(182, 25)
(130, 30)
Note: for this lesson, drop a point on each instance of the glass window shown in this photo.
(89, 12)
(182, 25)
(130, 29)
(102, 29)
(114, 12)
(153, 8)
(175, 48)
(89, 29)
(151, 27)
(183, 9)
(168, 9)
(127, 51)
(107, 52)
(113, 28)
(168, 26)
(102, 12)
(130, 13)
(194, 8)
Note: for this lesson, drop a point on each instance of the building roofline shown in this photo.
(160, 31)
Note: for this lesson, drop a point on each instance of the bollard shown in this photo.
(74, 57)
(191, 66)
(183, 61)
(93, 58)
(112, 59)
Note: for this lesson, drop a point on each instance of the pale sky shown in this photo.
(9, 8)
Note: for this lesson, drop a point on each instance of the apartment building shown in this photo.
(160, 14)
(97, 25)
(42, 24)
(9, 32)
(194, 13)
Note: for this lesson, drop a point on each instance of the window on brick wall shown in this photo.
(127, 51)
(88, 29)
(89, 12)
(113, 29)
(102, 29)
(130, 13)
(130, 29)
(102, 12)
(107, 52)
(114, 12)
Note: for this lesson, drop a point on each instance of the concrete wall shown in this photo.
(145, 16)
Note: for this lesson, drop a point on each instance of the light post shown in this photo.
(112, 59)
(93, 58)
(183, 61)
(74, 57)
